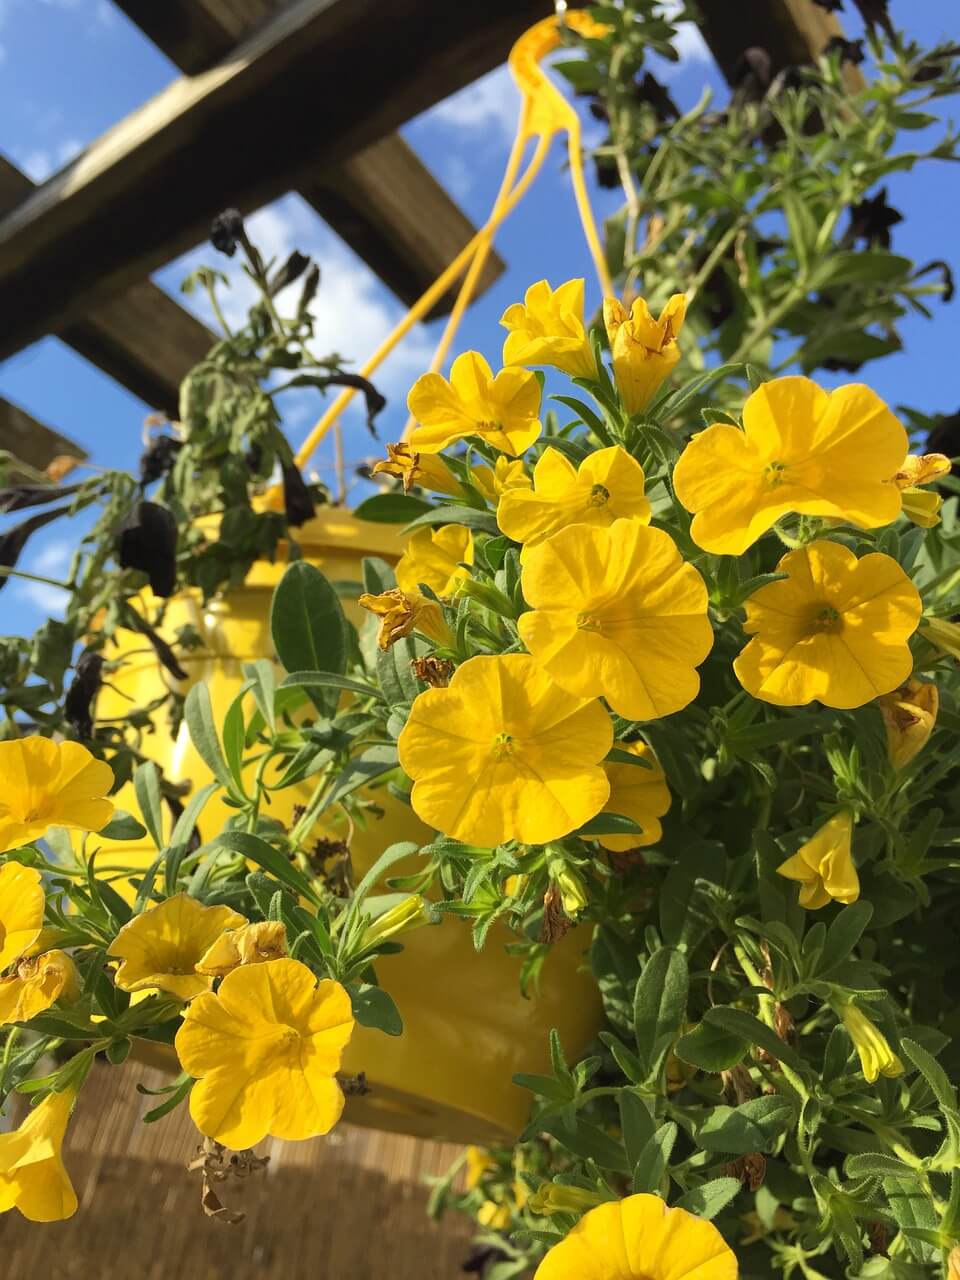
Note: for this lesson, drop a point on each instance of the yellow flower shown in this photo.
(639, 1238)
(943, 635)
(920, 469)
(265, 1050)
(250, 944)
(801, 449)
(504, 754)
(495, 1217)
(638, 793)
(909, 715)
(644, 350)
(162, 947)
(507, 474)
(824, 866)
(501, 410)
(876, 1056)
(36, 985)
(922, 507)
(21, 910)
(411, 913)
(478, 1162)
(607, 486)
(434, 557)
(616, 612)
(557, 1197)
(836, 629)
(400, 614)
(547, 328)
(50, 784)
(423, 469)
(32, 1176)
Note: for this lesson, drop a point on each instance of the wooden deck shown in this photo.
(349, 1207)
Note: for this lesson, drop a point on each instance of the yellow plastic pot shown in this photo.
(467, 1029)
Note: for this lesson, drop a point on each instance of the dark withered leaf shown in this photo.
(147, 540)
(292, 269)
(874, 14)
(164, 652)
(226, 230)
(14, 540)
(871, 220)
(84, 687)
(17, 497)
(849, 50)
(945, 438)
(297, 501)
(158, 459)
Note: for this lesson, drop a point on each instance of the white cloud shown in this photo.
(689, 42)
(41, 162)
(492, 102)
(52, 561)
(458, 176)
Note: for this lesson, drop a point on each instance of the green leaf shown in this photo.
(391, 508)
(914, 1213)
(122, 826)
(707, 1201)
(681, 915)
(308, 626)
(469, 517)
(146, 784)
(874, 266)
(234, 738)
(636, 1125)
(710, 1048)
(874, 1164)
(608, 824)
(589, 1142)
(374, 1007)
(652, 1165)
(843, 934)
(183, 1085)
(263, 684)
(753, 1126)
(659, 1006)
(270, 859)
(198, 713)
(670, 406)
(330, 680)
(802, 226)
(935, 1076)
(182, 832)
(368, 765)
(737, 1022)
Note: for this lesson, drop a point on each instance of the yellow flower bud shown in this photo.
(573, 891)
(876, 1056)
(409, 914)
(909, 716)
(644, 350)
(824, 866)
(496, 1217)
(943, 635)
(922, 506)
(554, 1197)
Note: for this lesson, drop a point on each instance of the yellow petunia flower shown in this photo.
(638, 793)
(423, 469)
(32, 1175)
(503, 410)
(824, 866)
(507, 474)
(548, 328)
(21, 910)
(909, 716)
(162, 946)
(37, 984)
(265, 1050)
(504, 754)
(250, 944)
(920, 469)
(400, 614)
(922, 507)
(835, 630)
(478, 1161)
(639, 1238)
(435, 557)
(50, 784)
(872, 1046)
(644, 350)
(802, 449)
(608, 485)
(617, 613)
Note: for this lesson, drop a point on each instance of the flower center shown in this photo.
(775, 473)
(503, 745)
(599, 496)
(826, 619)
(588, 622)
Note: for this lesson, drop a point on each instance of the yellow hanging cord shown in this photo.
(544, 113)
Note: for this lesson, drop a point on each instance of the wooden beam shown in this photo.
(793, 32)
(31, 441)
(142, 338)
(383, 202)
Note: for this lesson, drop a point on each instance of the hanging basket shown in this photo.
(467, 1029)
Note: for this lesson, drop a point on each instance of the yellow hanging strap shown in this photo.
(544, 113)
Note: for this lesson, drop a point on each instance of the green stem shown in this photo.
(7, 572)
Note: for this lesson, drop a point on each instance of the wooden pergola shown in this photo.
(76, 252)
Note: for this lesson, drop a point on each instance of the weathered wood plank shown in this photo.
(793, 32)
(31, 441)
(142, 337)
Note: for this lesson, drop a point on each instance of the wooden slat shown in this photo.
(793, 32)
(142, 337)
(31, 441)
(383, 202)
(147, 190)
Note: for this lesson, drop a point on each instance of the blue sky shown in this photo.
(69, 69)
